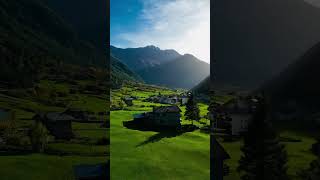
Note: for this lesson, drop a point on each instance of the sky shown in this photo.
(314, 2)
(182, 25)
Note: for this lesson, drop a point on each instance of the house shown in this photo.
(163, 116)
(128, 101)
(217, 157)
(219, 120)
(238, 112)
(166, 100)
(183, 99)
(58, 124)
(91, 172)
(78, 114)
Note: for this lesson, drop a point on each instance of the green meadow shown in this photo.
(299, 153)
(152, 155)
(60, 155)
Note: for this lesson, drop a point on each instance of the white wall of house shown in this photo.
(239, 123)
(184, 100)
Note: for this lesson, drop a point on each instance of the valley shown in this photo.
(160, 155)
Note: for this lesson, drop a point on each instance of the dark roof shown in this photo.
(217, 151)
(54, 116)
(236, 105)
(163, 109)
(137, 116)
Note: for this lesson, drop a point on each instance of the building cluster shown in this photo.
(168, 99)
(236, 115)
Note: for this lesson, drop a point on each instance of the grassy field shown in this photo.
(151, 155)
(60, 156)
(299, 154)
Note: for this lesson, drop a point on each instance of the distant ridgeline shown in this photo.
(35, 41)
(163, 67)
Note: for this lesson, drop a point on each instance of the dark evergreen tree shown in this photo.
(192, 109)
(313, 172)
(264, 158)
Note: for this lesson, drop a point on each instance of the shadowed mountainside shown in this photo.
(255, 40)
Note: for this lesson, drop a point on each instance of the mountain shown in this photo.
(33, 37)
(203, 87)
(183, 72)
(145, 57)
(255, 40)
(87, 18)
(298, 83)
(121, 73)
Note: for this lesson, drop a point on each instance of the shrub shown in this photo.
(38, 137)
(11, 137)
(103, 141)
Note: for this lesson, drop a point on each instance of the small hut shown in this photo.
(78, 114)
(163, 116)
(128, 101)
(58, 124)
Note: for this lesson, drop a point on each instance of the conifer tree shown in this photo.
(192, 109)
(313, 172)
(263, 158)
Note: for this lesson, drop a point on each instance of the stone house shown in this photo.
(163, 116)
(58, 124)
(78, 114)
(238, 114)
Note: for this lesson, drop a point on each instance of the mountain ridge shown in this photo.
(185, 71)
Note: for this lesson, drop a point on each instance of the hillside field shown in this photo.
(151, 155)
(60, 156)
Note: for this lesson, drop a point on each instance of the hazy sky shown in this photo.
(183, 25)
(314, 2)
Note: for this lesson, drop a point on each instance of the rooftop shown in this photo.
(163, 109)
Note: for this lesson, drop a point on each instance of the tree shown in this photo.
(313, 172)
(263, 156)
(192, 109)
(38, 136)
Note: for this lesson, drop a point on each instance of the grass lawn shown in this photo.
(299, 154)
(151, 155)
(84, 149)
(44, 167)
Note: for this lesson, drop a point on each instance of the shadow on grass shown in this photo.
(170, 133)
(14, 151)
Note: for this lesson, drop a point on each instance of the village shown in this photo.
(54, 120)
(164, 112)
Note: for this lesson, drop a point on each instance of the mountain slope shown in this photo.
(33, 37)
(183, 72)
(87, 18)
(145, 57)
(298, 83)
(203, 87)
(31, 25)
(254, 40)
(121, 73)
